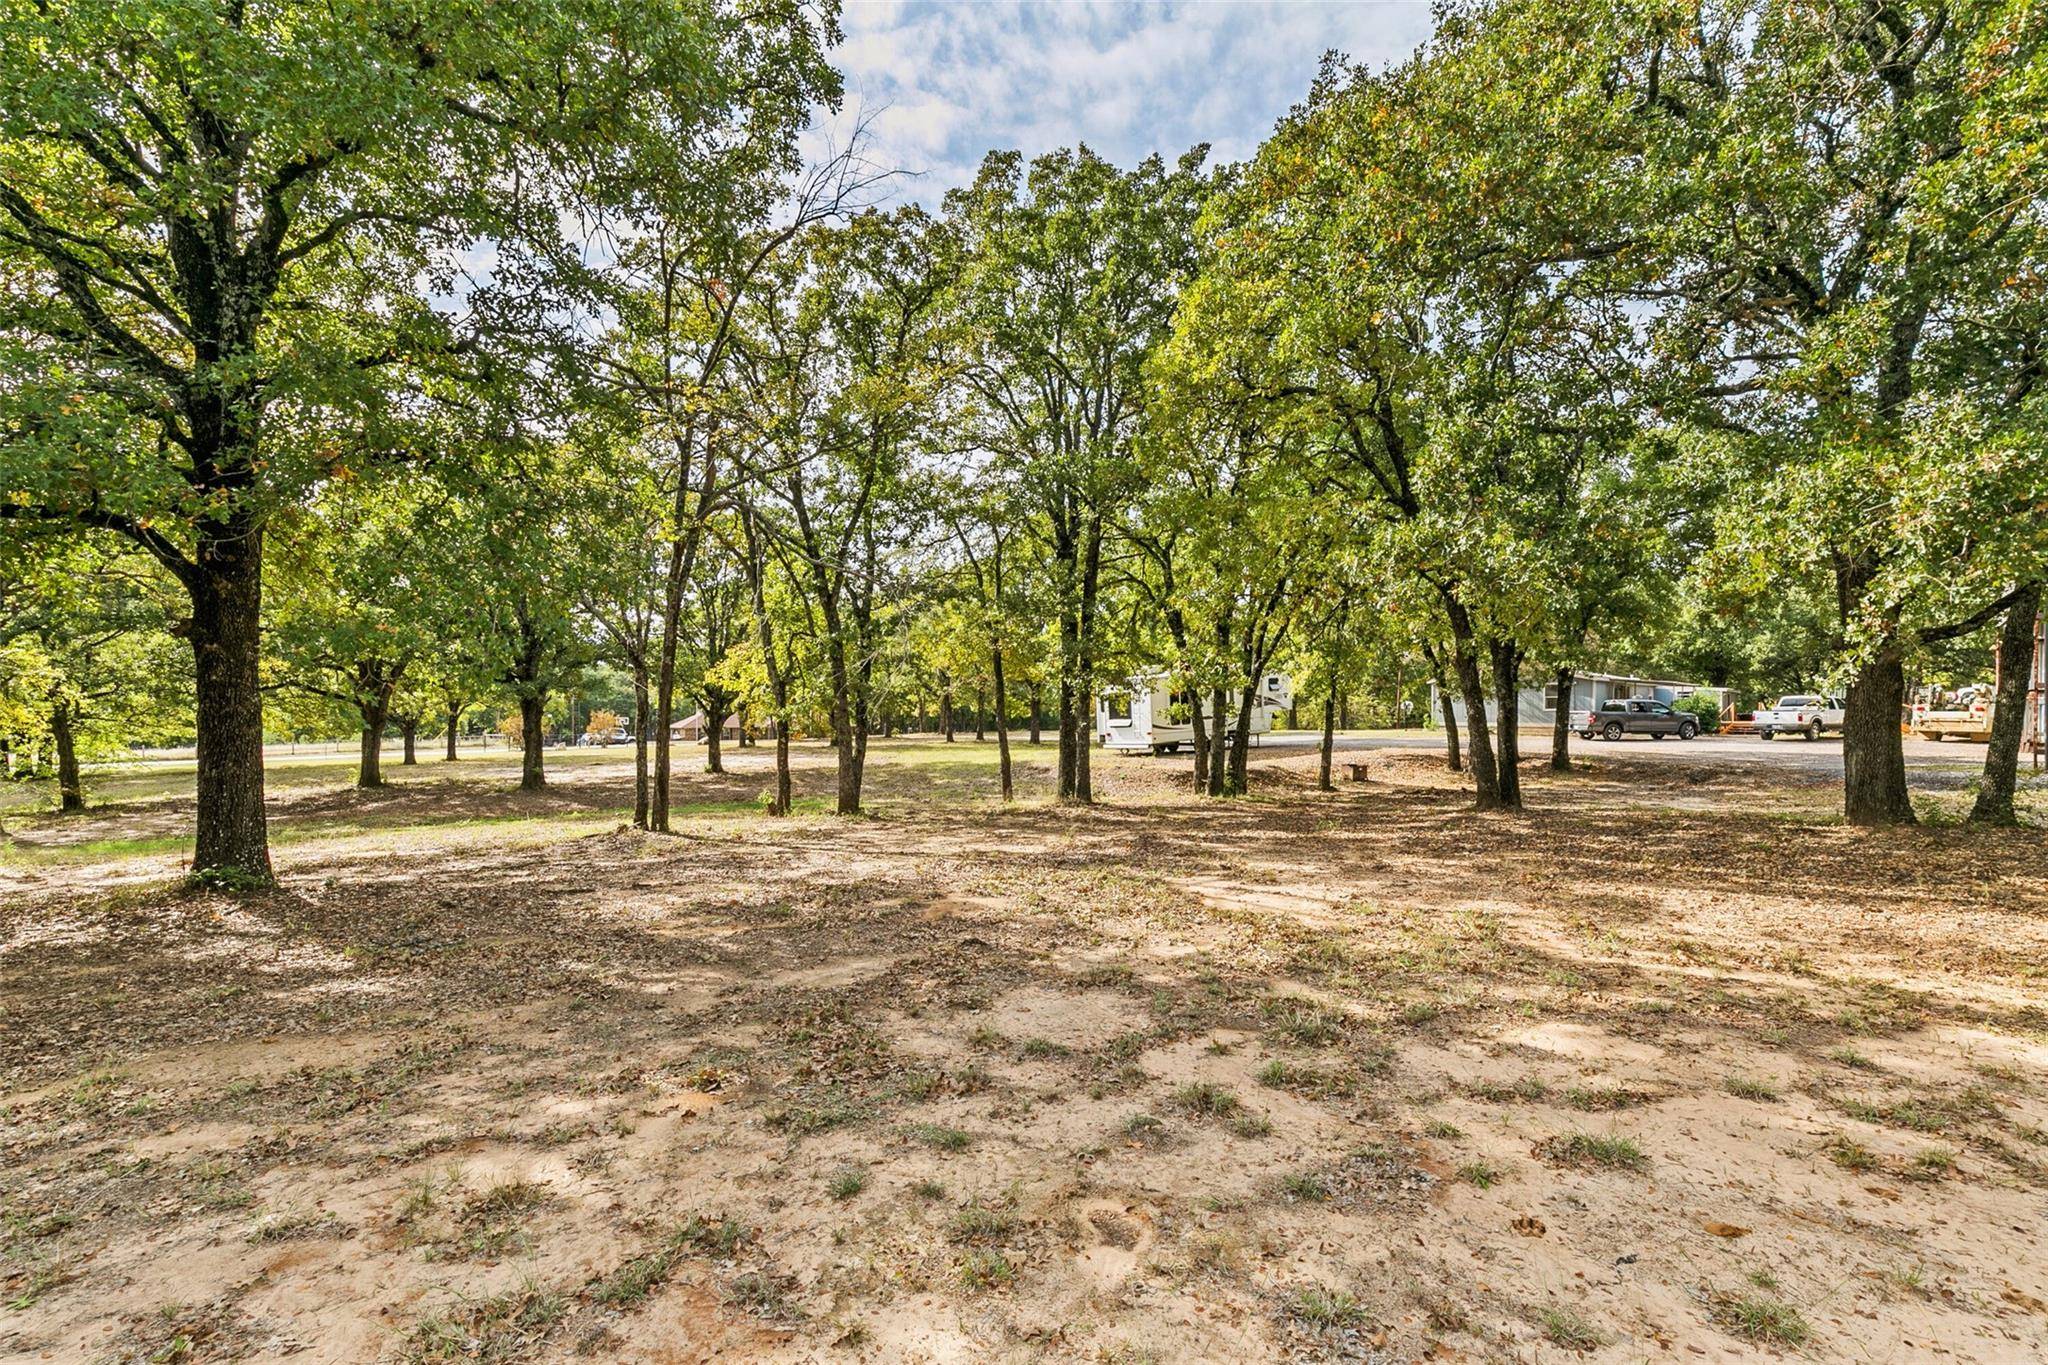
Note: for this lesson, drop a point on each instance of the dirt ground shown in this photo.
(1674, 1066)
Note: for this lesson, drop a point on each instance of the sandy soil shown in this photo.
(1674, 1066)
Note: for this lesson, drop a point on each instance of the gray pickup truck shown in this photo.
(1639, 717)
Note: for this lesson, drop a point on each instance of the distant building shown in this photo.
(692, 728)
(1537, 706)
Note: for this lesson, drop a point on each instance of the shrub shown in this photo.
(1706, 706)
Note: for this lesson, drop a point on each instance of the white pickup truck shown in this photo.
(1806, 715)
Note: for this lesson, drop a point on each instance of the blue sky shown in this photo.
(946, 80)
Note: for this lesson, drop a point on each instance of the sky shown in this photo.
(943, 81)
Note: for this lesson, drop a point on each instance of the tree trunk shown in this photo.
(946, 709)
(714, 728)
(844, 722)
(1994, 805)
(1561, 731)
(1002, 723)
(232, 836)
(778, 685)
(1037, 710)
(665, 688)
(854, 758)
(980, 715)
(682, 561)
(1465, 660)
(1069, 722)
(1343, 710)
(1238, 780)
(1507, 677)
(1323, 782)
(370, 764)
(409, 731)
(70, 786)
(1873, 752)
(454, 729)
(532, 717)
(782, 787)
(1219, 742)
(642, 712)
(1091, 580)
(1453, 760)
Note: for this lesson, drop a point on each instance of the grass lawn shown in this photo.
(1674, 1062)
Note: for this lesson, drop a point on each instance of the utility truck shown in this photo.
(1148, 714)
(1954, 713)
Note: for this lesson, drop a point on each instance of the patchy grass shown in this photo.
(1601, 1098)
(1304, 1022)
(504, 1327)
(500, 1034)
(984, 1268)
(1593, 1149)
(1566, 1327)
(1766, 1321)
(1752, 1088)
(1524, 1088)
(1325, 1310)
(1934, 1163)
(1207, 1099)
(981, 1223)
(1308, 1081)
(1305, 1187)
(940, 1137)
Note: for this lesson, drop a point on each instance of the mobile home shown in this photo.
(1147, 715)
(1536, 706)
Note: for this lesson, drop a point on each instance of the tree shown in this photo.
(1071, 272)
(1239, 528)
(360, 608)
(677, 292)
(225, 229)
(83, 656)
(1840, 184)
(783, 636)
(717, 622)
(841, 369)
(2016, 644)
(622, 539)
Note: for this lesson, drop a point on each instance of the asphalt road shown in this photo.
(1816, 756)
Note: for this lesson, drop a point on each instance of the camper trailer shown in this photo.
(1147, 715)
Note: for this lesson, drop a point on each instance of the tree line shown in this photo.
(403, 361)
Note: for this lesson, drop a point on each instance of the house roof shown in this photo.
(1654, 682)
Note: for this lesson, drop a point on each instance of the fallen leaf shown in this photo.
(2023, 1299)
(1882, 1192)
(1725, 1229)
(1529, 1225)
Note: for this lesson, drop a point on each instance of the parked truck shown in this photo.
(1954, 713)
(1809, 714)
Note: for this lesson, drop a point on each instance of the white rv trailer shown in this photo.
(1147, 715)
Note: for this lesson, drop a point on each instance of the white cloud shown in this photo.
(945, 81)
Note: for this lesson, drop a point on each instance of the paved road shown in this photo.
(1816, 756)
